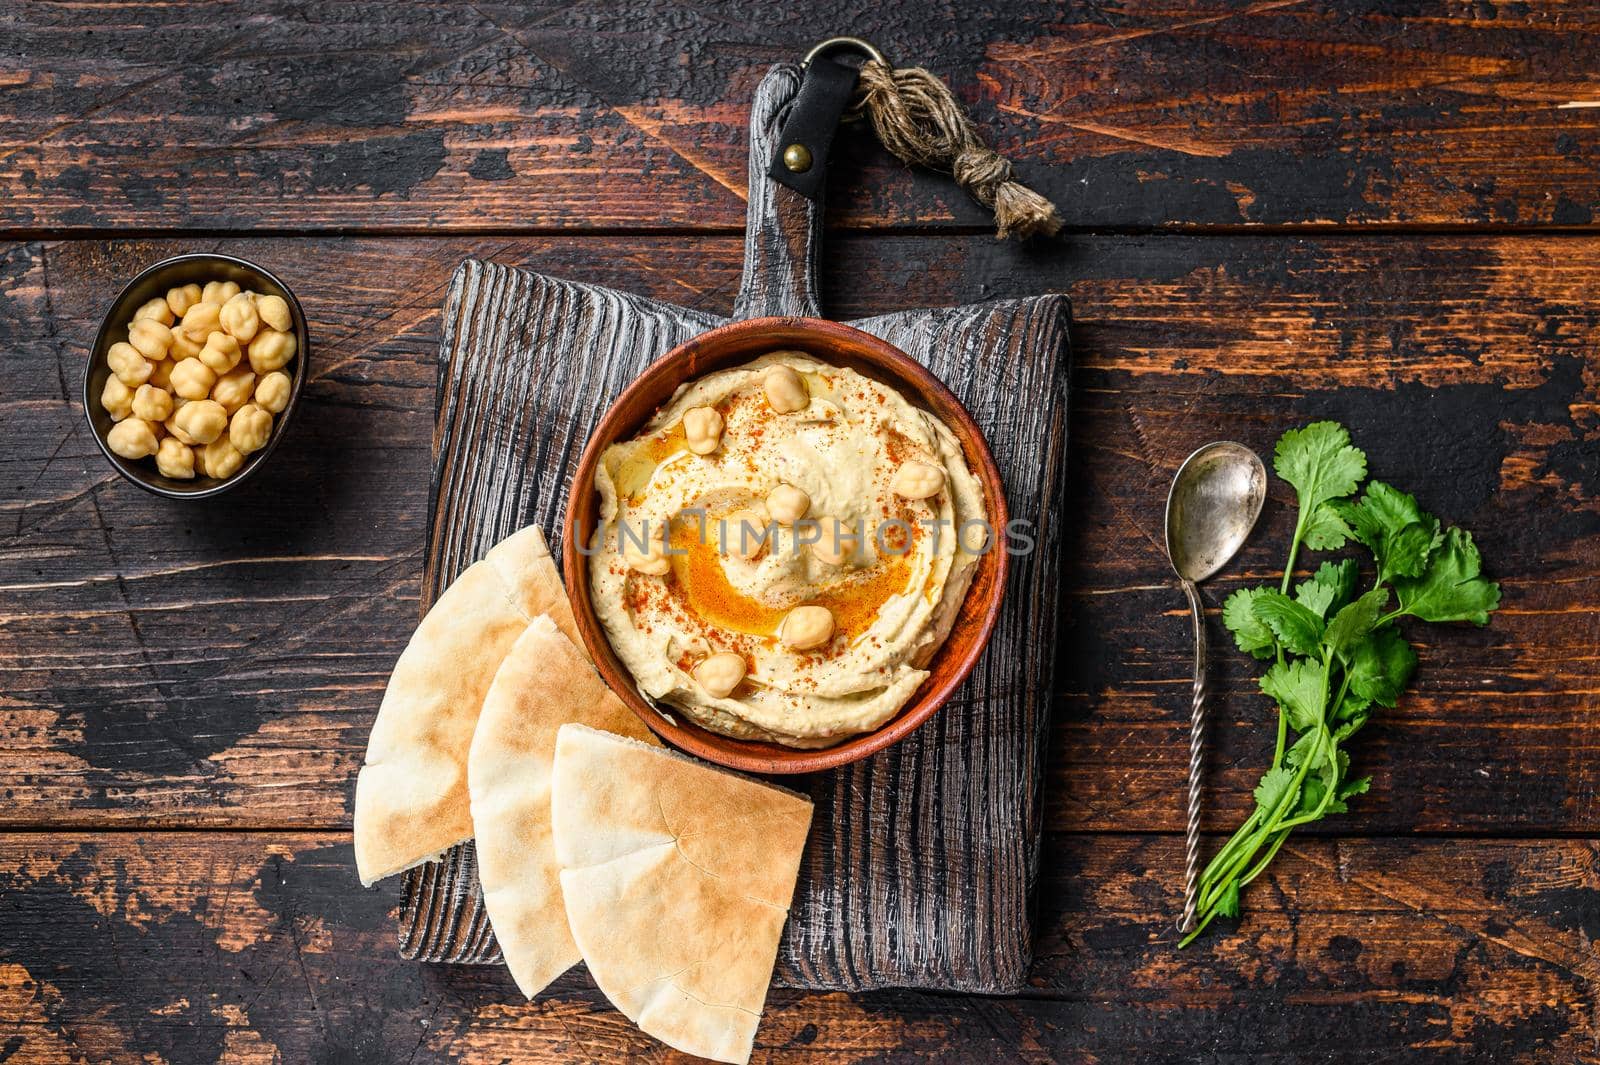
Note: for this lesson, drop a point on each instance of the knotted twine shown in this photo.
(921, 123)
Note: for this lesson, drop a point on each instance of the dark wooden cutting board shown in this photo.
(922, 858)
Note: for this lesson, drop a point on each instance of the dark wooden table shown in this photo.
(1277, 212)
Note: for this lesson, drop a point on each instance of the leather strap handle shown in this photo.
(783, 230)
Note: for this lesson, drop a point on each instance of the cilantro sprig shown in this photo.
(1335, 655)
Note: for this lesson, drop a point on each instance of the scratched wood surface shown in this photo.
(185, 692)
(575, 115)
(201, 947)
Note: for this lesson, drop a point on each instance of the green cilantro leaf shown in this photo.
(1329, 588)
(1354, 622)
(1451, 589)
(1301, 748)
(1380, 667)
(1253, 635)
(1315, 597)
(1405, 551)
(1228, 904)
(1350, 727)
(1364, 526)
(1297, 687)
(1352, 707)
(1326, 529)
(1388, 509)
(1320, 462)
(1354, 787)
(1274, 787)
(1393, 527)
(1297, 628)
(1311, 793)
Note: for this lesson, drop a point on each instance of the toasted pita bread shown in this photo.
(411, 796)
(543, 683)
(677, 878)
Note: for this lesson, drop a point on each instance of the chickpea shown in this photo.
(274, 311)
(271, 350)
(161, 374)
(220, 459)
(250, 429)
(806, 628)
(917, 480)
(149, 338)
(836, 545)
(192, 379)
(720, 673)
(183, 297)
(651, 559)
(702, 429)
(218, 292)
(233, 390)
(183, 347)
(743, 534)
(157, 309)
(239, 317)
(787, 504)
(152, 404)
(785, 389)
(274, 391)
(201, 320)
(171, 424)
(132, 438)
(221, 353)
(201, 420)
(131, 368)
(175, 459)
(117, 398)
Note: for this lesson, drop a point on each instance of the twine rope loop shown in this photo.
(920, 122)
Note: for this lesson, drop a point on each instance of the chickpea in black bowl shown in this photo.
(195, 373)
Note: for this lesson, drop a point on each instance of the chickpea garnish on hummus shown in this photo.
(781, 550)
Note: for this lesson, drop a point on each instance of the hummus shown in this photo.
(892, 516)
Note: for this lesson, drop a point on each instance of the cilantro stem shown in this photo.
(1242, 833)
(1294, 549)
(1231, 869)
(1266, 859)
(1283, 737)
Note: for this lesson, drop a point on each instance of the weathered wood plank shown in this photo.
(186, 947)
(1469, 367)
(563, 116)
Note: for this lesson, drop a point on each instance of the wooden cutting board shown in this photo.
(922, 859)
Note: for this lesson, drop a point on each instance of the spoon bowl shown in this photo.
(1215, 500)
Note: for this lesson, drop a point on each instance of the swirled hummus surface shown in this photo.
(693, 570)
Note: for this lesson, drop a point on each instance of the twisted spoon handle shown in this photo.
(1197, 732)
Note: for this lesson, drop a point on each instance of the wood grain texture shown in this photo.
(245, 948)
(894, 891)
(219, 666)
(577, 116)
(1469, 368)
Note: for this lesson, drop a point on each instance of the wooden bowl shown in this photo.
(841, 345)
(198, 267)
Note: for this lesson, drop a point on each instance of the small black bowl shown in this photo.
(154, 281)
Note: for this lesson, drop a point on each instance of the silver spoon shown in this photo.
(1215, 500)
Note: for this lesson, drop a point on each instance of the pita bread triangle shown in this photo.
(411, 795)
(544, 682)
(677, 878)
